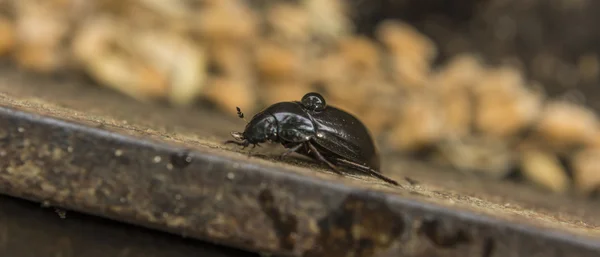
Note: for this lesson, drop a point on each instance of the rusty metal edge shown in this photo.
(517, 239)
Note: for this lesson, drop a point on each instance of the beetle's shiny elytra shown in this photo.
(314, 129)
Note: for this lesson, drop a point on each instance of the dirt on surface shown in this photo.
(206, 130)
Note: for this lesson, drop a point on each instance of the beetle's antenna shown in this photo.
(240, 113)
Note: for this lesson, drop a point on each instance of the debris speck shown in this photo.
(45, 204)
(61, 213)
(230, 175)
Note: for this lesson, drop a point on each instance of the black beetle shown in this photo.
(312, 128)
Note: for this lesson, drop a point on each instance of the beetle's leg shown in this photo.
(234, 142)
(321, 158)
(290, 150)
(369, 171)
(244, 144)
(250, 152)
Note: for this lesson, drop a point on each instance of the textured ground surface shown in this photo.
(204, 131)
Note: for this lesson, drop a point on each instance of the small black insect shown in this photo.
(312, 128)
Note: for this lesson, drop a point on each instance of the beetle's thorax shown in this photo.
(294, 123)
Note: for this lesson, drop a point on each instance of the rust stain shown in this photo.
(285, 225)
(362, 225)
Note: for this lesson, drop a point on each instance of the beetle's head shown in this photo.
(262, 128)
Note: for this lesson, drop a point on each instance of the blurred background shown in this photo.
(502, 88)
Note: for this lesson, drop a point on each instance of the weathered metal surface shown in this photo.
(249, 203)
(30, 230)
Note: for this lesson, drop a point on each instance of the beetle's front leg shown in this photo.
(291, 150)
(253, 146)
(244, 143)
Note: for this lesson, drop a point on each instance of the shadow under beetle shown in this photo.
(312, 128)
